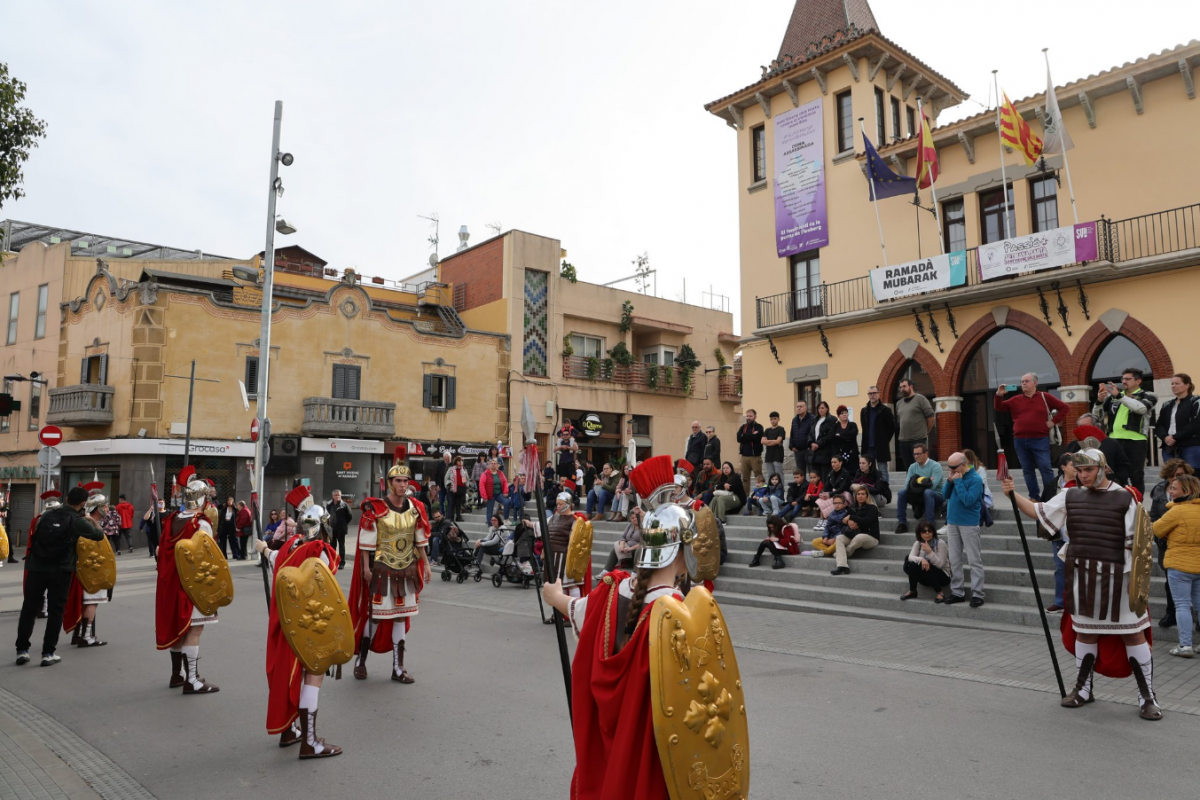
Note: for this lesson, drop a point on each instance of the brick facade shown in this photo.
(480, 269)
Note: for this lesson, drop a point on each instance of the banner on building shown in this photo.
(1072, 244)
(917, 277)
(801, 222)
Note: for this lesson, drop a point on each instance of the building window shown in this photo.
(806, 285)
(845, 122)
(810, 393)
(880, 129)
(4, 426)
(911, 113)
(14, 304)
(587, 346)
(94, 370)
(895, 120)
(1044, 200)
(659, 356)
(347, 380)
(43, 295)
(758, 156)
(991, 216)
(439, 392)
(35, 406)
(251, 376)
(640, 424)
(954, 225)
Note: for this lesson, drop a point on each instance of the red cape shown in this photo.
(73, 611)
(1111, 661)
(616, 757)
(360, 599)
(284, 673)
(172, 606)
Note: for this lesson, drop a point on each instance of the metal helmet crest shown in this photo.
(668, 525)
(195, 491)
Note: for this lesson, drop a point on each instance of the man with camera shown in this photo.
(1128, 414)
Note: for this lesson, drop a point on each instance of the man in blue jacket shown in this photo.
(964, 506)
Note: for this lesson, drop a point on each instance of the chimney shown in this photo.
(463, 235)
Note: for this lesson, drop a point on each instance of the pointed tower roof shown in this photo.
(813, 19)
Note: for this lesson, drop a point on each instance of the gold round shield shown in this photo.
(95, 564)
(204, 573)
(314, 615)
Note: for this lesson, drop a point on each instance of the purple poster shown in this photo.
(800, 220)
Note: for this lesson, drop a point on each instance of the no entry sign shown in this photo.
(50, 435)
(254, 430)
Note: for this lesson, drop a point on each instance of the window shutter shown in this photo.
(339, 381)
(353, 382)
(451, 393)
(427, 391)
(104, 370)
(252, 376)
(83, 370)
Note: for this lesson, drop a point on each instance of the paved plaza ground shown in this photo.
(839, 707)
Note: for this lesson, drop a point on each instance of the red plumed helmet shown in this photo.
(92, 486)
(297, 496)
(185, 475)
(651, 474)
(50, 495)
(684, 465)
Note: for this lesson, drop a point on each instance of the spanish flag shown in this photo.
(1015, 132)
(927, 162)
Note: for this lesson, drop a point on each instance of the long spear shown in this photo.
(529, 427)
(1003, 474)
(157, 515)
(262, 562)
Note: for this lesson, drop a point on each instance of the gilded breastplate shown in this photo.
(397, 538)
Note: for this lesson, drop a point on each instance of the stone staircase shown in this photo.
(877, 580)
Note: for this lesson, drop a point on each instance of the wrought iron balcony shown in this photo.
(333, 418)
(81, 405)
(635, 377)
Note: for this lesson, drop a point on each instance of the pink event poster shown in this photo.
(800, 217)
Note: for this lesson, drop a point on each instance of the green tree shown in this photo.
(19, 133)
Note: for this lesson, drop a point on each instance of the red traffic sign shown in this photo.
(50, 435)
(254, 430)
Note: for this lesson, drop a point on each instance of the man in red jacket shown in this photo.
(1034, 415)
(125, 512)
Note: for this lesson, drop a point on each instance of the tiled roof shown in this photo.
(812, 20)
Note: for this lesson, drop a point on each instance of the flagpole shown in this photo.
(874, 196)
(1062, 125)
(1003, 173)
(937, 215)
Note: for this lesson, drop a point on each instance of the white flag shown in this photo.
(1055, 139)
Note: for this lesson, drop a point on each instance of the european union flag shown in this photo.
(885, 183)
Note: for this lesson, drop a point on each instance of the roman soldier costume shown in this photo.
(563, 523)
(390, 570)
(179, 619)
(94, 577)
(1107, 582)
(657, 699)
(309, 621)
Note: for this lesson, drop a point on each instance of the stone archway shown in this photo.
(909, 350)
(1113, 323)
(1004, 317)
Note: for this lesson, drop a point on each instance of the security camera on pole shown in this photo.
(275, 189)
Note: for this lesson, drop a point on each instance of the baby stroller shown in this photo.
(458, 560)
(510, 568)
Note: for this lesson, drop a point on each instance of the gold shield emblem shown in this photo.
(707, 545)
(314, 615)
(4, 546)
(95, 565)
(204, 573)
(699, 708)
(579, 551)
(1143, 561)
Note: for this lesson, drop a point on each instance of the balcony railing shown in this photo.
(635, 377)
(332, 417)
(729, 387)
(1120, 240)
(81, 405)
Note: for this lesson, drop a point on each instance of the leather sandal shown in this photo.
(399, 674)
(291, 734)
(176, 670)
(1073, 700)
(308, 727)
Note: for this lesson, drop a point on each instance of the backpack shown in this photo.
(54, 537)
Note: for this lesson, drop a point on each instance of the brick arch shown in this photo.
(896, 363)
(1099, 335)
(985, 326)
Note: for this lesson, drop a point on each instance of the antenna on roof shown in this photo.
(494, 227)
(433, 220)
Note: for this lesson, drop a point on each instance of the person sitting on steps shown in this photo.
(826, 543)
(780, 540)
(862, 530)
(928, 563)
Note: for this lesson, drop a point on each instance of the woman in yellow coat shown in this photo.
(1181, 528)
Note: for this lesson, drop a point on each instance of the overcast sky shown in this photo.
(579, 121)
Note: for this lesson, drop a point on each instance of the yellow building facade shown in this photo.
(813, 326)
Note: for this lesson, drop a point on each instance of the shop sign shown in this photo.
(591, 424)
(19, 473)
(170, 447)
(1060, 247)
(918, 277)
(349, 473)
(340, 445)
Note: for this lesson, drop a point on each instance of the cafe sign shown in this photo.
(591, 425)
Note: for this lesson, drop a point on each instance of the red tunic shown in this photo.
(172, 606)
(616, 757)
(284, 672)
(73, 610)
(360, 599)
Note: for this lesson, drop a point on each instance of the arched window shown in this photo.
(1002, 359)
(1117, 356)
(921, 380)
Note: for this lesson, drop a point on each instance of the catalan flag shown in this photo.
(927, 161)
(1015, 132)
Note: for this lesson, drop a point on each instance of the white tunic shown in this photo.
(1053, 515)
(577, 611)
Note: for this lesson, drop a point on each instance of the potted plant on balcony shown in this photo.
(626, 316)
(568, 351)
(688, 362)
(652, 376)
(593, 368)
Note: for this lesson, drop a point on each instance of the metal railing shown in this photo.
(333, 417)
(81, 405)
(1154, 234)
(635, 376)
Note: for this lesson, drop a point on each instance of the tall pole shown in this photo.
(187, 436)
(874, 196)
(264, 336)
(1003, 175)
(932, 189)
(1063, 125)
